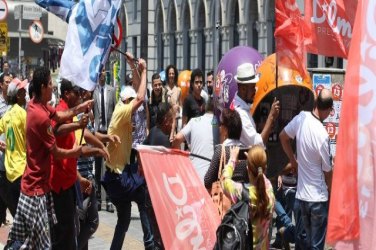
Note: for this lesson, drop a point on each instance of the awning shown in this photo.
(51, 39)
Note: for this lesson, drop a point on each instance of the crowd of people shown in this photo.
(59, 163)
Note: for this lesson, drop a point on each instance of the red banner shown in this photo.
(352, 210)
(186, 215)
(291, 35)
(331, 22)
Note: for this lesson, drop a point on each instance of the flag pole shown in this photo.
(124, 54)
(83, 129)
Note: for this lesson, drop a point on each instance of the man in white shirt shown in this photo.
(314, 167)
(202, 134)
(247, 78)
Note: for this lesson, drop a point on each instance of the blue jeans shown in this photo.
(284, 220)
(286, 199)
(315, 219)
(123, 207)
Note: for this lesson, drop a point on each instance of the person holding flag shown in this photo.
(116, 170)
(35, 211)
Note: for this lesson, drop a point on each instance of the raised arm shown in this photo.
(273, 114)
(141, 92)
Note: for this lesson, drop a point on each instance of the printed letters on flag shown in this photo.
(185, 213)
(291, 35)
(331, 22)
(352, 217)
(88, 41)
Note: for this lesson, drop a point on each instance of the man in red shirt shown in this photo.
(64, 171)
(35, 211)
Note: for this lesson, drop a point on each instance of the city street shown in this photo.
(102, 238)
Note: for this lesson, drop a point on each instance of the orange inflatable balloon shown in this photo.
(286, 77)
(183, 82)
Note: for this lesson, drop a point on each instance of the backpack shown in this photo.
(235, 232)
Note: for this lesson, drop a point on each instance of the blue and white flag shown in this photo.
(88, 41)
(61, 8)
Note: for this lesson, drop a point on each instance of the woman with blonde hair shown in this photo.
(260, 192)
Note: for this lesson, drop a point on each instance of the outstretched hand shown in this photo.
(114, 138)
(85, 106)
(86, 186)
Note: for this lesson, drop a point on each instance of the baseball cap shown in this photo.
(127, 92)
(15, 85)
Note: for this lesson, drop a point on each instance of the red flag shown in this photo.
(331, 23)
(185, 213)
(352, 210)
(291, 34)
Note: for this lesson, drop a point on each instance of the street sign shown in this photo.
(17, 12)
(3, 10)
(28, 12)
(3, 37)
(31, 12)
(36, 31)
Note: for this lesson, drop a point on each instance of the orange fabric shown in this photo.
(354, 147)
(186, 215)
(267, 83)
(184, 83)
(331, 23)
(291, 34)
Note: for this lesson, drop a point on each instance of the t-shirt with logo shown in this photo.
(13, 125)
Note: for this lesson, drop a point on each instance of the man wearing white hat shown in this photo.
(247, 78)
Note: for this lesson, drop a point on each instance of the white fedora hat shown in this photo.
(246, 74)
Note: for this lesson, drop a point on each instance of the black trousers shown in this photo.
(64, 232)
(3, 196)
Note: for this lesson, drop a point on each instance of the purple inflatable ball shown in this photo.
(225, 85)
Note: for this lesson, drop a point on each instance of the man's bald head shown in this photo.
(324, 100)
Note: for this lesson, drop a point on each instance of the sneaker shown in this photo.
(276, 245)
(110, 207)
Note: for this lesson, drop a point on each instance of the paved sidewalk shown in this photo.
(101, 240)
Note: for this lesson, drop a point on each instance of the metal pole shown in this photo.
(19, 42)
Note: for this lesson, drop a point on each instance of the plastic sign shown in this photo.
(3, 10)
(36, 32)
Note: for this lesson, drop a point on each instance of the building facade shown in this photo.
(46, 53)
(187, 33)
(191, 34)
(197, 33)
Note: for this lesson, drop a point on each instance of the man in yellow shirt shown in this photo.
(117, 171)
(13, 125)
